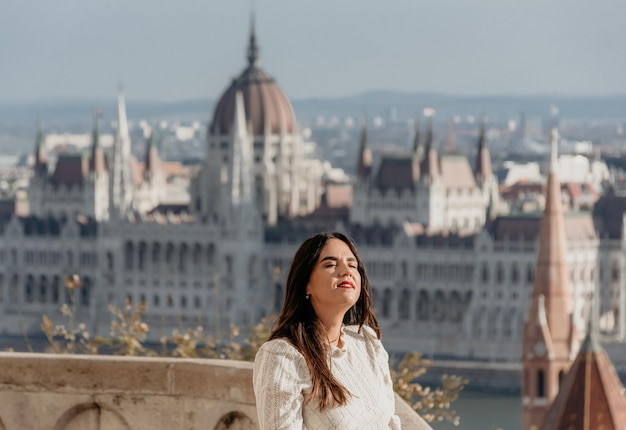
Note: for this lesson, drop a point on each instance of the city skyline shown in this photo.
(162, 52)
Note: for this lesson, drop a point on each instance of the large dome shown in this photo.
(267, 107)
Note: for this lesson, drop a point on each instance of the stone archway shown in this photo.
(234, 420)
(91, 416)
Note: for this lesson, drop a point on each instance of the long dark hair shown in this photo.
(299, 324)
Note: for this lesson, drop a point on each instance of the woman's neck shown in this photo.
(333, 329)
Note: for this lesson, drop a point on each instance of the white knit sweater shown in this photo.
(282, 382)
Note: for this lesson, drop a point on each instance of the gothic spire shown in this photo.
(242, 160)
(41, 157)
(365, 154)
(253, 49)
(418, 150)
(152, 156)
(544, 363)
(121, 181)
(483, 158)
(96, 162)
(429, 167)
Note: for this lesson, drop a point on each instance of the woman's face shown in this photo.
(335, 282)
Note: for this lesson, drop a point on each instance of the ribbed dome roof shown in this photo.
(267, 108)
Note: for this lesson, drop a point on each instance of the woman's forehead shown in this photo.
(336, 248)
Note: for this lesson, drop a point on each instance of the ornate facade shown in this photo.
(450, 277)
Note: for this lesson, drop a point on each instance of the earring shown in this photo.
(308, 296)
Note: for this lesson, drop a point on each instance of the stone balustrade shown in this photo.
(86, 392)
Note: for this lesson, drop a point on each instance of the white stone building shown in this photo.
(450, 277)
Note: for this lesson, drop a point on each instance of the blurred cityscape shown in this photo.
(196, 208)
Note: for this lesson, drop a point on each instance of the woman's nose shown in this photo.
(344, 269)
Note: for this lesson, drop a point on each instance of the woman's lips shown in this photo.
(346, 284)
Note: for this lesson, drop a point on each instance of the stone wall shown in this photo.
(82, 392)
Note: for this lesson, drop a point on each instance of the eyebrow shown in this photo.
(333, 258)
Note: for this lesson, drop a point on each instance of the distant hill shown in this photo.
(70, 113)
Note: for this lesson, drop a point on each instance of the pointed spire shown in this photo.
(242, 166)
(554, 156)
(365, 154)
(483, 158)
(41, 157)
(97, 163)
(429, 167)
(253, 49)
(551, 291)
(121, 180)
(418, 150)
(451, 138)
(152, 156)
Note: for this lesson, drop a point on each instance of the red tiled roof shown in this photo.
(457, 172)
(70, 170)
(591, 395)
(398, 173)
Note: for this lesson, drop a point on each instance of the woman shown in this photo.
(324, 366)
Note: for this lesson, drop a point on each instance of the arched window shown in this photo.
(85, 291)
(499, 272)
(128, 255)
(182, 264)
(43, 289)
(514, 274)
(30, 286)
(228, 260)
(55, 289)
(615, 271)
(455, 313)
(387, 296)
(423, 306)
(541, 392)
(484, 273)
(530, 274)
(109, 260)
(156, 254)
(403, 305)
(197, 254)
(404, 269)
(210, 254)
(142, 256)
(169, 255)
(439, 306)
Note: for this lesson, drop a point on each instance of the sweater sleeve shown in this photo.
(382, 360)
(280, 379)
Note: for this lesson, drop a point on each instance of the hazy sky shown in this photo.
(174, 50)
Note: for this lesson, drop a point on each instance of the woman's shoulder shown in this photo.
(281, 347)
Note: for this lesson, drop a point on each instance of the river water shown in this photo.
(485, 411)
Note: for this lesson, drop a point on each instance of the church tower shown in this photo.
(361, 191)
(431, 191)
(483, 172)
(121, 188)
(41, 157)
(275, 147)
(550, 338)
(98, 174)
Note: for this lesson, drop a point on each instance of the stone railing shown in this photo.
(86, 392)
